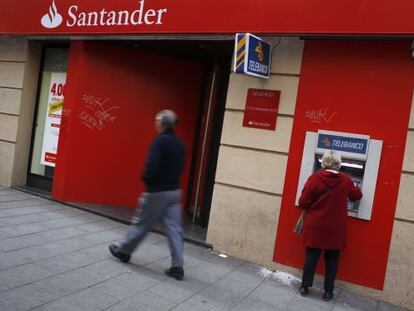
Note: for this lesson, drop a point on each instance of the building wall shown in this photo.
(399, 278)
(19, 68)
(252, 163)
(251, 172)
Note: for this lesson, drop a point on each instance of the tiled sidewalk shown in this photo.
(54, 257)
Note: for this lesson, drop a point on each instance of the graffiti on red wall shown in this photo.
(97, 113)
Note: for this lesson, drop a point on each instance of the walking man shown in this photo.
(161, 201)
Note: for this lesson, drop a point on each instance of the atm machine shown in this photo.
(360, 160)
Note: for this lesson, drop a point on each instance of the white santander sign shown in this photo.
(80, 18)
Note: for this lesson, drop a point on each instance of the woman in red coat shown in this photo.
(324, 197)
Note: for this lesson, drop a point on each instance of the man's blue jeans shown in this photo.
(157, 207)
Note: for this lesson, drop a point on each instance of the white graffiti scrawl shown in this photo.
(320, 115)
(97, 114)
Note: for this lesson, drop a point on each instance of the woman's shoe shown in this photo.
(327, 296)
(304, 291)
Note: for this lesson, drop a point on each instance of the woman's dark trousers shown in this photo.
(331, 267)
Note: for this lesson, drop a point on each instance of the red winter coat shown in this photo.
(324, 197)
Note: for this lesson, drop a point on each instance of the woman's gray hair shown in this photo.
(167, 118)
(331, 160)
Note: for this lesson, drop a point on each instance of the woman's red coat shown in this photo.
(325, 196)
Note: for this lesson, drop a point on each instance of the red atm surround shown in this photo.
(358, 87)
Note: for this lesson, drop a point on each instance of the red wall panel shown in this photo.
(113, 94)
(360, 87)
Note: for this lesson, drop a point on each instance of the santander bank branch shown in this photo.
(261, 89)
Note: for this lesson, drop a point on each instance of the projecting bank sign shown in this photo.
(79, 17)
(251, 56)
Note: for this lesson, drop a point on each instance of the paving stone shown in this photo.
(30, 210)
(25, 219)
(161, 264)
(308, 305)
(99, 226)
(18, 230)
(249, 304)
(357, 301)
(179, 291)
(272, 294)
(126, 285)
(24, 203)
(3, 213)
(65, 222)
(230, 262)
(19, 242)
(24, 298)
(10, 260)
(144, 301)
(65, 259)
(208, 272)
(6, 192)
(61, 234)
(39, 238)
(387, 307)
(58, 211)
(67, 262)
(22, 275)
(241, 276)
(15, 197)
(199, 253)
(70, 282)
(343, 307)
(110, 268)
(148, 253)
(62, 246)
(106, 236)
(89, 299)
(144, 270)
(192, 305)
(223, 294)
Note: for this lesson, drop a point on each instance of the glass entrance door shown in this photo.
(47, 118)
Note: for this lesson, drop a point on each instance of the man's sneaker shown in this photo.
(175, 272)
(327, 296)
(304, 291)
(118, 254)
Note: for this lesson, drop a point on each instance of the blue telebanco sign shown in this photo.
(252, 56)
(342, 143)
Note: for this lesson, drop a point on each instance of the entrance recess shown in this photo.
(113, 94)
(113, 91)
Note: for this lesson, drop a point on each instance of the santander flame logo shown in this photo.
(52, 19)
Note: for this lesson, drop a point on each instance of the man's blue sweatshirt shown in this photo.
(164, 164)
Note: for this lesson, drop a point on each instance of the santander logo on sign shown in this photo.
(76, 17)
(52, 19)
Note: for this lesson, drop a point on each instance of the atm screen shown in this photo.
(355, 169)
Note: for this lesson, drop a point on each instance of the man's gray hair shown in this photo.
(167, 118)
(331, 160)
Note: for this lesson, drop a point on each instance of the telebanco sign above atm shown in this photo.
(76, 17)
